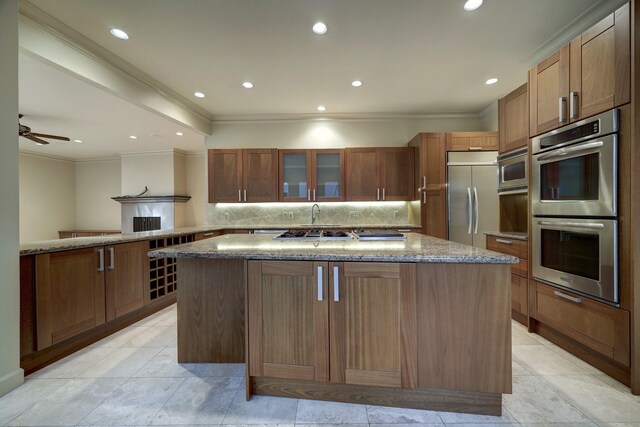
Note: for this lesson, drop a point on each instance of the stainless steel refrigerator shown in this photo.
(472, 196)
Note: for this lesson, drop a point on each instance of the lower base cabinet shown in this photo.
(598, 326)
(398, 325)
(126, 278)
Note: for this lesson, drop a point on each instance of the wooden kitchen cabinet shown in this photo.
(513, 118)
(249, 175)
(599, 327)
(588, 76)
(372, 324)
(288, 320)
(472, 141)
(70, 294)
(431, 182)
(311, 175)
(519, 274)
(127, 278)
(380, 174)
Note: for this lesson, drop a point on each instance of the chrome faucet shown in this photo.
(315, 213)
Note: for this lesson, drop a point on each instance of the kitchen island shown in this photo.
(420, 323)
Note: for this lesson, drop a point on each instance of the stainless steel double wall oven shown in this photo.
(574, 190)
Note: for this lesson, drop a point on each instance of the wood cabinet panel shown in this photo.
(519, 292)
(472, 141)
(517, 248)
(396, 173)
(464, 327)
(363, 174)
(373, 335)
(513, 117)
(288, 323)
(126, 278)
(431, 182)
(225, 175)
(70, 294)
(260, 175)
(548, 91)
(600, 327)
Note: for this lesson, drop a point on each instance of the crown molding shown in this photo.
(578, 25)
(97, 159)
(46, 156)
(72, 39)
(335, 117)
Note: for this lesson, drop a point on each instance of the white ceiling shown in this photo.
(414, 57)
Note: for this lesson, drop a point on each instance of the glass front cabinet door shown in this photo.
(311, 175)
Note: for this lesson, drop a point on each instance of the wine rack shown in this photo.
(162, 271)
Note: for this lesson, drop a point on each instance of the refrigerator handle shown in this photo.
(469, 211)
(475, 197)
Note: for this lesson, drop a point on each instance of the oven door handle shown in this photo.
(572, 224)
(564, 151)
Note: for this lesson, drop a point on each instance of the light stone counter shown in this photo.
(415, 248)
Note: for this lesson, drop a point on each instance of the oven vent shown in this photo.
(146, 223)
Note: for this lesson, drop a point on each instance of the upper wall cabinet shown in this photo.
(249, 175)
(311, 175)
(380, 173)
(513, 117)
(472, 141)
(588, 76)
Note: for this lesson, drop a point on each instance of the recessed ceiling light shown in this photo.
(79, 141)
(472, 5)
(119, 34)
(199, 95)
(179, 133)
(319, 28)
(133, 137)
(247, 85)
(356, 83)
(321, 108)
(491, 81)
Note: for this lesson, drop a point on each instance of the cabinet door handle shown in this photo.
(567, 297)
(378, 194)
(424, 190)
(314, 194)
(475, 148)
(384, 197)
(477, 215)
(469, 211)
(336, 284)
(505, 241)
(239, 195)
(207, 235)
(245, 194)
(112, 261)
(320, 283)
(562, 101)
(573, 105)
(101, 265)
(309, 194)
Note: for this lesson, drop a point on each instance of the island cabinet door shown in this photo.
(288, 320)
(127, 276)
(373, 324)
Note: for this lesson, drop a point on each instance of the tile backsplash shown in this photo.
(334, 213)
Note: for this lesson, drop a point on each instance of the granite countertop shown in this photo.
(415, 248)
(57, 245)
(508, 235)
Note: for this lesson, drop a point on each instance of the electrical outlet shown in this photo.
(354, 214)
(290, 215)
(226, 215)
(395, 214)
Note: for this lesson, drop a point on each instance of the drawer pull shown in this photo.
(567, 297)
(505, 241)
(207, 235)
(336, 285)
(320, 292)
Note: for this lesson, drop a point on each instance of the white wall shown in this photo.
(96, 183)
(332, 133)
(489, 117)
(47, 197)
(196, 187)
(11, 375)
(155, 170)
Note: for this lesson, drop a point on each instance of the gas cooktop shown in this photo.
(314, 234)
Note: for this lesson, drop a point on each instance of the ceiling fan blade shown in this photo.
(36, 139)
(44, 135)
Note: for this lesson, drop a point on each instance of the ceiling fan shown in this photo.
(25, 131)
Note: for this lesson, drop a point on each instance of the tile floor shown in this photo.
(131, 379)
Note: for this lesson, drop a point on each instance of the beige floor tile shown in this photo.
(320, 412)
(522, 337)
(460, 418)
(541, 360)
(120, 338)
(69, 404)
(157, 336)
(388, 415)
(26, 396)
(136, 402)
(123, 363)
(261, 410)
(74, 364)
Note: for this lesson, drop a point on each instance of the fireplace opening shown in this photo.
(146, 223)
